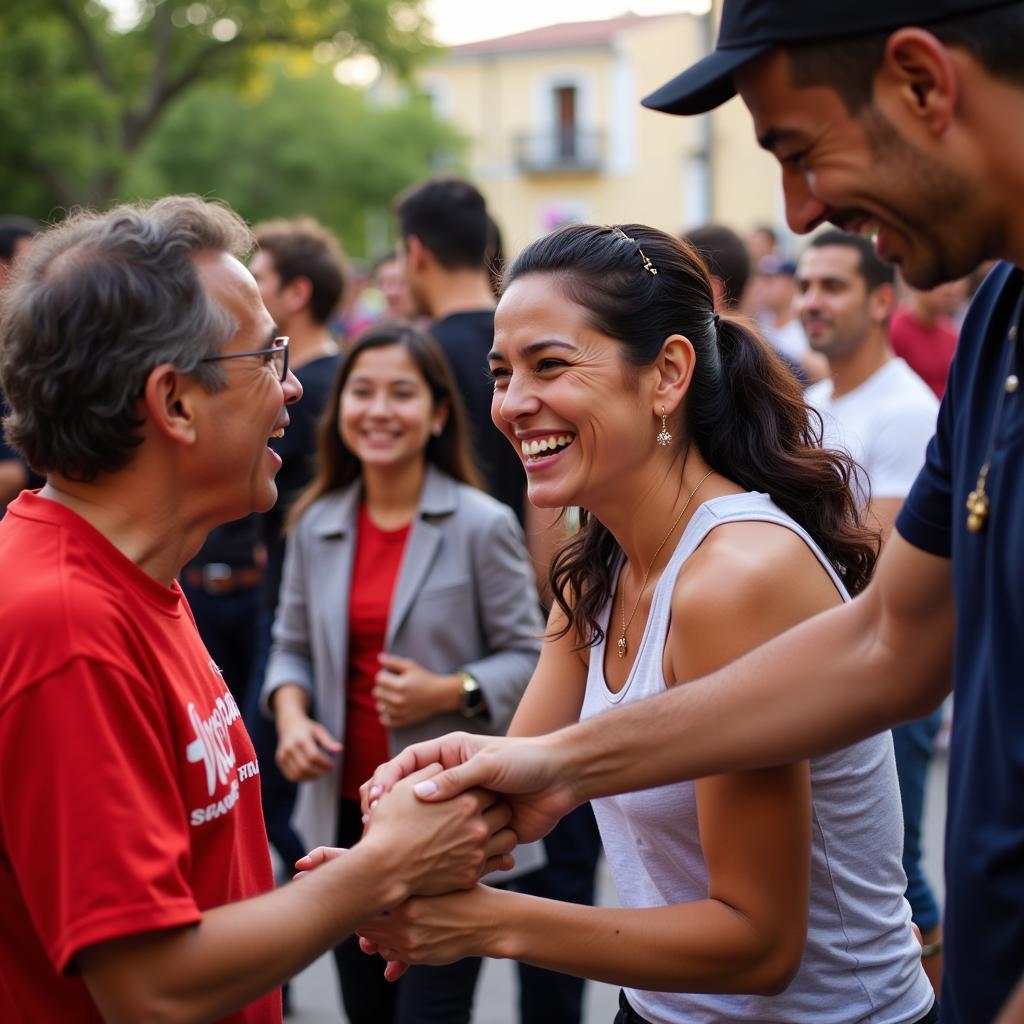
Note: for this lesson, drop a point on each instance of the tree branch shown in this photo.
(138, 123)
(94, 54)
(163, 36)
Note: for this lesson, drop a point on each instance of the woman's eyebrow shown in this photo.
(535, 346)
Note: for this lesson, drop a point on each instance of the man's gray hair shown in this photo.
(97, 303)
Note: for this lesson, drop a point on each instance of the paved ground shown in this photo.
(316, 1000)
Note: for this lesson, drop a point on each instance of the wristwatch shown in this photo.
(472, 697)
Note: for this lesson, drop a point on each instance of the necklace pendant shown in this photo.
(621, 645)
(977, 510)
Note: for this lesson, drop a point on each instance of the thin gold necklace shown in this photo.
(621, 645)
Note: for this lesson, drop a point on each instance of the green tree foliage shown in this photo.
(84, 83)
(299, 144)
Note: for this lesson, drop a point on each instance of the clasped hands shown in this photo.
(429, 849)
(453, 917)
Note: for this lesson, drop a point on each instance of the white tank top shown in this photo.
(861, 962)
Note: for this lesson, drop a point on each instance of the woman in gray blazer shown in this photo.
(408, 609)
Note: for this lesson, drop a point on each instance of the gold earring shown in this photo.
(664, 438)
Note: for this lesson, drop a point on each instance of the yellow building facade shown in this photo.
(557, 133)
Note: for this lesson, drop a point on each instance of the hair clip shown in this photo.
(648, 265)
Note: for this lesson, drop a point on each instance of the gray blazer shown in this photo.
(464, 600)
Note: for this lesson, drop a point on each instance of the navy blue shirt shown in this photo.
(984, 919)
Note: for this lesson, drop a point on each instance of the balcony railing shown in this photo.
(565, 151)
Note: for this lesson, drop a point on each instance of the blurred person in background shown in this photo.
(445, 232)
(728, 263)
(389, 280)
(923, 331)
(876, 408)
(778, 318)
(358, 308)
(16, 234)
(408, 609)
(762, 241)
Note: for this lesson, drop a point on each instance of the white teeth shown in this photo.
(278, 433)
(545, 444)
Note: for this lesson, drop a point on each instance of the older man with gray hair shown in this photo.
(144, 377)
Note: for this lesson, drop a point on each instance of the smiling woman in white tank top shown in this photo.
(712, 520)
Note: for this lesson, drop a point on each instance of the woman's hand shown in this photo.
(406, 692)
(435, 929)
(305, 748)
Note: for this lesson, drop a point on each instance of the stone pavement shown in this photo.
(315, 991)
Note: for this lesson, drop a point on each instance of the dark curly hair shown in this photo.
(97, 303)
(744, 410)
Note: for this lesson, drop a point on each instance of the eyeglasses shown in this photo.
(276, 356)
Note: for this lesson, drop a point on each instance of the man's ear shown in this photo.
(918, 80)
(297, 293)
(881, 302)
(674, 366)
(417, 255)
(169, 403)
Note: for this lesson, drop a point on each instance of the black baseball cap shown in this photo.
(751, 28)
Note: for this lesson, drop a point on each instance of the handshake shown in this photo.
(435, 825)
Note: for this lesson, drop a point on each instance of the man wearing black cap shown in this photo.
(901, 120)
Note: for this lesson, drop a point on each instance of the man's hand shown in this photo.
(433, 848)
(405, 692)
(304, 747)
(531, 774)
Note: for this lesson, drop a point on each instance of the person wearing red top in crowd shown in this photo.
(408, 608)
(144, 377)
(923, 334)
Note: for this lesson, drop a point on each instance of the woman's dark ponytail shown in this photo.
(751, 424)
(745, 410)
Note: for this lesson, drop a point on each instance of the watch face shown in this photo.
(472, 697)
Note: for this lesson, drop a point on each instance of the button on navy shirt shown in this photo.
(984, 920)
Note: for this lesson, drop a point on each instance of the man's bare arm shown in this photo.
(848, 673)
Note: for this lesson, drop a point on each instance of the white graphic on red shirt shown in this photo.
(212, 745)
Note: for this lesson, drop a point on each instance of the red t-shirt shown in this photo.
(928, 350)
(129, 789)
(378, 556)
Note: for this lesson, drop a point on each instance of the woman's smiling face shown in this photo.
(565, 397)
(387, 412)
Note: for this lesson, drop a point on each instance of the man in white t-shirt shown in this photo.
(876, 408)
